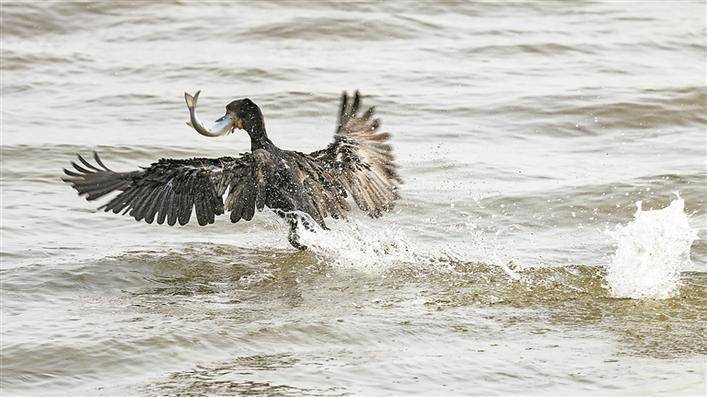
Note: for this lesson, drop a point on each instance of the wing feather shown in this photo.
(171, 190)
(174, 209)
(164, 205)
(361, 159)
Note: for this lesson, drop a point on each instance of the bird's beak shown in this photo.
(221, 127)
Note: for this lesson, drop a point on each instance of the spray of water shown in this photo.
(353, 244)
(651, 251)
(370, 248)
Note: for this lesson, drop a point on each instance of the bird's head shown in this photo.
(246, 115)
(241, 114)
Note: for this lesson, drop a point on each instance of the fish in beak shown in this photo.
(221, 127)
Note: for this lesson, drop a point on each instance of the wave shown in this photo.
(331, 29)
(28, 20)
(646, 110)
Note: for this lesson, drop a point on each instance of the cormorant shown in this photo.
(358, 163)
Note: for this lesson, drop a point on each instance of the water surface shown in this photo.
(523, 133)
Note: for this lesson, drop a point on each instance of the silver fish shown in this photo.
(222, 126)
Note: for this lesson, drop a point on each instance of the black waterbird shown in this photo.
(297, 186)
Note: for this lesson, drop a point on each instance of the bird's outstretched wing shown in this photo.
(169, 190)
(361, 159)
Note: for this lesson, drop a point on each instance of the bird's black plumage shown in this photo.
(358, 163)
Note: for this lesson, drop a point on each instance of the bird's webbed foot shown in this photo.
(293, 221)
(294, 238)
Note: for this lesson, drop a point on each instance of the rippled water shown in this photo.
(525, 135)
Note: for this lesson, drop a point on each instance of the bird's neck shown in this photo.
(259, 137)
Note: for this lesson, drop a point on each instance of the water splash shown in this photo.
(353, 244)
(651, 251)
(371, 248)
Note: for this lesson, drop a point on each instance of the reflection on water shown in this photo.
(520, 145)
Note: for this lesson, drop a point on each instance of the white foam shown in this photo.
(353, 244)
(369, 247)
(651, 252)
